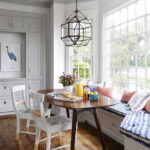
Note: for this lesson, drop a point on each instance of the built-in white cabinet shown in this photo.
(34, 24)
(5, 95)
(19, 23)
(33, 55)
(12, 23)
(32, 28)
(34, 85)
(5, 22)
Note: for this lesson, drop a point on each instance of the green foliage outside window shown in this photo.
(83, 69)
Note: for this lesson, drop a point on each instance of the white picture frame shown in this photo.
(10, 57)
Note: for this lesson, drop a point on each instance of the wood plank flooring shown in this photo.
(87, 138)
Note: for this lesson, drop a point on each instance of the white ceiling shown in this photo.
(44, 3)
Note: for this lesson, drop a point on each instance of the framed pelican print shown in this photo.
(10, 57)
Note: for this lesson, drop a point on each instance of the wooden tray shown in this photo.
(60, 98)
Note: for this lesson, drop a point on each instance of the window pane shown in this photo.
(82, 61)
(119, 45)
(132, 75)
(141, 76)
(132, 87)
(117, 18)
(124, 60)
(123, 30)
(132, 60)
(140, 8)
(148, 77)
(141, 42)
(124, 77)
(131, 28)
(116, 75)
(110, 34)
(132, 43)
(148, 23)
(147, 6)
(140, 25)
(117, 61)
(131, 12)
(148, 43)
(141, 60)
(123, 15)
(116, 32)
(110, 20)
(148, 61)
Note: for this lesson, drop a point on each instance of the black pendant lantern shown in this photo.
(76, 30)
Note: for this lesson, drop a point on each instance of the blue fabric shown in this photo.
(137, 123)
(119, 109)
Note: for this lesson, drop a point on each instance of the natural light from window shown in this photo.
(127, 46)
(82, 62)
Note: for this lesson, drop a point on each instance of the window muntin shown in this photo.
(127, 46)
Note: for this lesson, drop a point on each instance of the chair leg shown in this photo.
(27, 125)
(17, 129)
(37, 138)
(48, 146)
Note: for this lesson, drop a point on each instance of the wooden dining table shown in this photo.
(78, 107)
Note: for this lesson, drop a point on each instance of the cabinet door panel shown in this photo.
(19, 23)
(33, 55)
(34, 85)
(5, 22)
(34, 24)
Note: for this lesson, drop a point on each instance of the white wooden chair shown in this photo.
(21, 109)
(50, 125)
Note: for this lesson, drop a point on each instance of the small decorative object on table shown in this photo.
(94, 96)
(67, 81)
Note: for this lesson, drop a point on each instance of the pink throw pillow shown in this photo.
(127, 95)
(105, 91)
(147, 106)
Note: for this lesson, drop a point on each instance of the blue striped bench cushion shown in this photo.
(136, 125)
(121, 109)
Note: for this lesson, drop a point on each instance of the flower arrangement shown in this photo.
(67, 79)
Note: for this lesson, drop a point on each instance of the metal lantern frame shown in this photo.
(76, 30)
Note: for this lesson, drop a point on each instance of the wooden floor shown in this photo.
(87, 138)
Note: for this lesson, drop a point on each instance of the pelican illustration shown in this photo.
(11, 55)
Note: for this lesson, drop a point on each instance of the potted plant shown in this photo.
(67, 80)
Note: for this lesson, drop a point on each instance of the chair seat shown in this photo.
(27, 113)
(59, 121)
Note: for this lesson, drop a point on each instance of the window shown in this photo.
(127, 45)
(81, 60)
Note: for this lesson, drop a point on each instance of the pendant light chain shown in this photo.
(76, 5)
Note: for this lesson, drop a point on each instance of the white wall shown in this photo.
(59, 48)
(56, 54)
(91, 10)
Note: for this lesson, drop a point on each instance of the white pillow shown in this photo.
(138, 101)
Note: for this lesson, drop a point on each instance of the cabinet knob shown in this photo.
(5, 87)
(29, 70)
(29, 87)
(5, 102)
